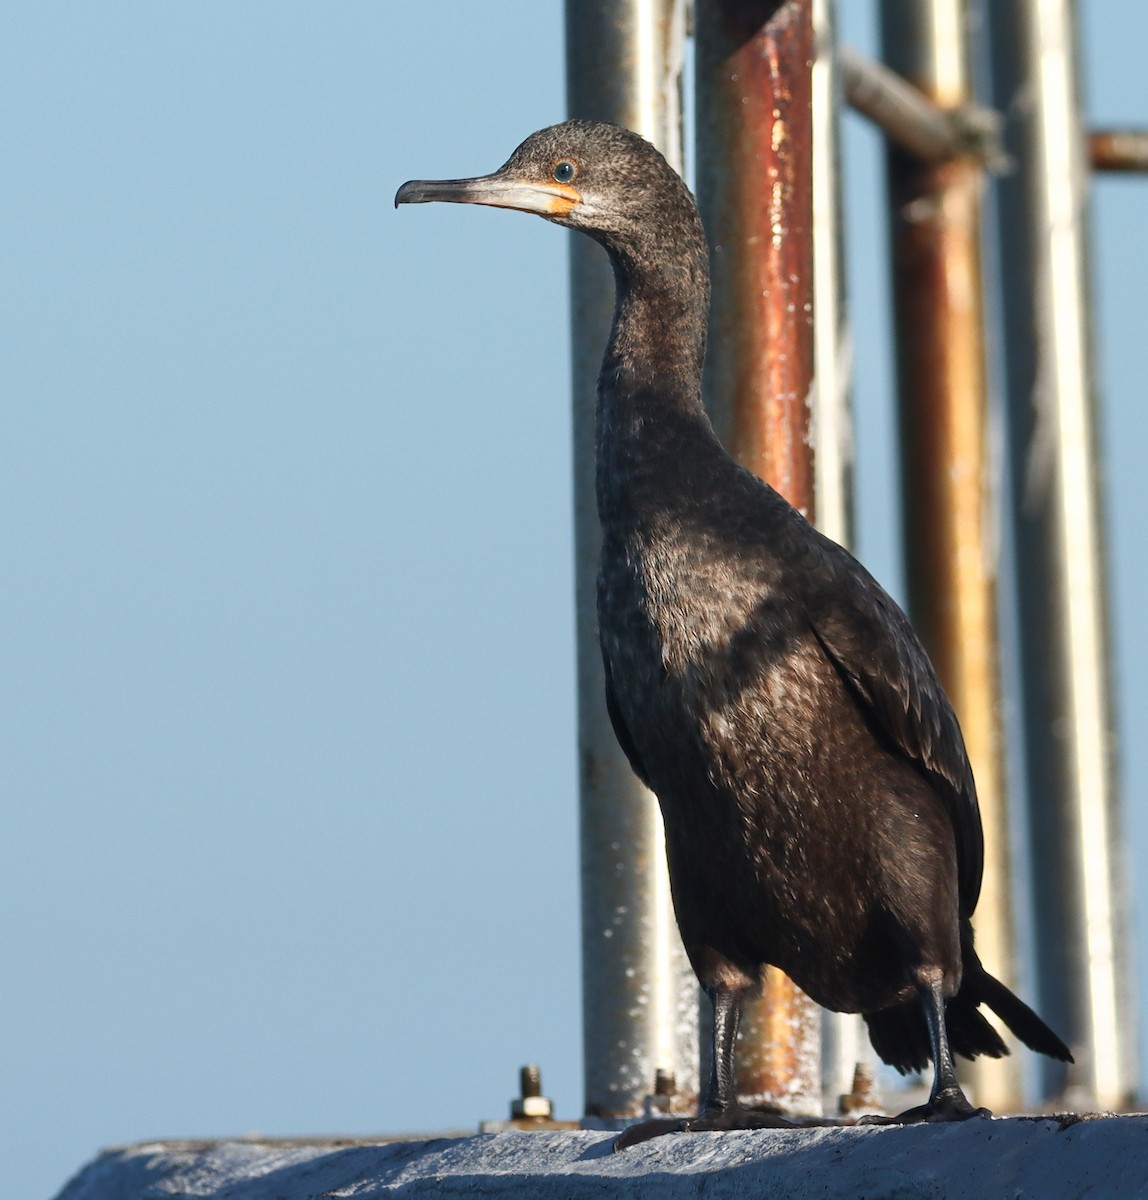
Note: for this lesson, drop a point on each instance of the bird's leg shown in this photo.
(721, 1096)
(720, 1109)
(947, 1102)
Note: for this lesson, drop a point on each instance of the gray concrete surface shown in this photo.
(1101, 1156)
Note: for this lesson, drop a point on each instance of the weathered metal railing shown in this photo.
(768, 81)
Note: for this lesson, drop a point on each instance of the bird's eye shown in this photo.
(564, 171)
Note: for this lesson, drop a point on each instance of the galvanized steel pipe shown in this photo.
(832, 343)
(910, 118)
(1083, 951)
(844, 1038)
(640, 998)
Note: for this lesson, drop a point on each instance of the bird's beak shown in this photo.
(549, 199)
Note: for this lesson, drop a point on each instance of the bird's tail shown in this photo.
(1028, 1027)
(901, 1037)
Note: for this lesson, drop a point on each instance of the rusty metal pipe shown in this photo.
(753, 71)
(1118, 149)
(640, 998)
(947, 465)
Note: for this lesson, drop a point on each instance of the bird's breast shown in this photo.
(696, 596)
(718, 674)
(699, 643)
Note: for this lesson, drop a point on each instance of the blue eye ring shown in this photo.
(564, 171)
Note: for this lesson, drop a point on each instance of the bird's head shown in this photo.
(599, 178)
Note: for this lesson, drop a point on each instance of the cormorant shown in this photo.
(819, 807)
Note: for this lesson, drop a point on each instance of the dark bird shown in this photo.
(819, 807)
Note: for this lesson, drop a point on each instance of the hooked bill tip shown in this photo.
(426, 191)
(402, 196)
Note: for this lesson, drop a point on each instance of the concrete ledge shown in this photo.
(1016, 1156)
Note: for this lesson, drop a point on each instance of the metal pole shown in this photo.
(1082, 945)
(754, 188)
(844, 1041)
(832, 344)
(1118, 149)
(909, 118)
(640, 998)
(946, 463)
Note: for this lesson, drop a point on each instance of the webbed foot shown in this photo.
(946, 1106)
(708, 1122)
(633, 1135)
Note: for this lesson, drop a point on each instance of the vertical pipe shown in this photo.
(947, 464)
(832, 345)
(754, 188)
(844, 1042)
(623, 62)
(1082, 945)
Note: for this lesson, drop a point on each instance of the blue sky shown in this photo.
(288, 758)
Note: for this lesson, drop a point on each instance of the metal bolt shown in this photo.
(530, 1080)
(862, 1096)
(532, 1105)
(661, 1099)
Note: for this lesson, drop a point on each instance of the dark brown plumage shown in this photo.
(820, 811)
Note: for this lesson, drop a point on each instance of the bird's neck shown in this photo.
(658, 336)
(652, 429)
